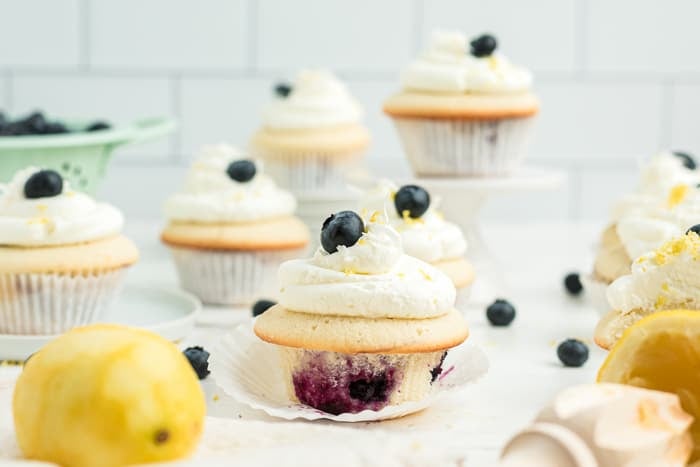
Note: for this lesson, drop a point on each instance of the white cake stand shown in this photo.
(461, 200)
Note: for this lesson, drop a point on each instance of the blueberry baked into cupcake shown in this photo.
(664, 279)
(62, 255)
(464, 109)
(311, 134)
(361, 325)
(230, 228)
(425, 234)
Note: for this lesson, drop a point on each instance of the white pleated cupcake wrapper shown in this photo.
(595, 292)
(47, 304)
(464, 147)
(230, 277)
(311, 173)
(249, 370)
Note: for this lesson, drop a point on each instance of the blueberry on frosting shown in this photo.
(283, 89)
(687, 159)
(43, 184)
(343, 228)
(483, 46)
(241, 171)
(412, 201)
(695, 228)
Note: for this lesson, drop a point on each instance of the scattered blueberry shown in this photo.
(412, 199)
(572, 352)
(3, 120)
(43, 184)
(283, 89)
(573, 285)
(500, 313)
(695, 228)
(241, 171)
(35, 123)
(261, 307)
(97, 126)
(342, 228)
(55, 128)
(199, 359)
(483, 46)
(687, 159)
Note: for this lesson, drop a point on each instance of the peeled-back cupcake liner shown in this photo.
(253, 372)
(53, 303)
(223, 277)
(449, 147)
(309, 173)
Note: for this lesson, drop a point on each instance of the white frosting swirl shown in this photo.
(210, 195)
(659, 175)
(68, 218)
(371, 279)
(318, 99)
(430, 238)
(448, 67)
(666, 278)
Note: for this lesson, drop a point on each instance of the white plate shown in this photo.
(248, 370)
(168, 312)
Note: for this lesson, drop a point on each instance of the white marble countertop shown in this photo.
(525, 372)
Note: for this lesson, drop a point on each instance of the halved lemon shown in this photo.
(662, 352)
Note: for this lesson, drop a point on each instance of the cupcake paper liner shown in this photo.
(464, 147)
(251, 371)
(311, 172)
(47, 304)
(229, 277)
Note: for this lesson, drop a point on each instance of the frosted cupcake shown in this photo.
(62, 255)
(664, 279)
(311, 134)
(664, 205)
(464, 109)
(361, 325)
(230, 228)
(425, 234)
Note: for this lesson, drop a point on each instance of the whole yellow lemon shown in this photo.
(108, 395)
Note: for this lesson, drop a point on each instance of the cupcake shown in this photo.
(464, 109)
(664, 279)
(361, 325)
(665, 204)
(311, 134)
(230, 228)
(425, 234)
(62, 255)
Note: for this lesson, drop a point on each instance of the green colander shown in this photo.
(80, 157)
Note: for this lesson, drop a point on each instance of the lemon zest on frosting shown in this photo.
(426, 276)
(660, 301)
(673, 248)
(406, 216)
(676, 195)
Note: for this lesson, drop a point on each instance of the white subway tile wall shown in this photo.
(618, 80)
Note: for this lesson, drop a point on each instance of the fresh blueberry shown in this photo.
(283, 89)
(369, 390)
(343, 228)
(500, 313)
(36, 123)
(261, 306)
(3, 120)
(14, 129)
(687, 159)
(572, 352)
(573, 285)
(413, 200)
(695, 228)
(98, 126)
(483, 46)
(199, 359)
(241, 171)
(55, 128)
(43, 184)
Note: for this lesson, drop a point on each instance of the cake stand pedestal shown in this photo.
(461, 201)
